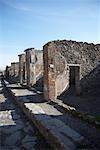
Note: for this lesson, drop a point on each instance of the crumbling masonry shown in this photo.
(62, 64)
(68, 62)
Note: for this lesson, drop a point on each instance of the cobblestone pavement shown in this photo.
(16, 132)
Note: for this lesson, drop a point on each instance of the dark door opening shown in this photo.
(24, 72)
(72, 76)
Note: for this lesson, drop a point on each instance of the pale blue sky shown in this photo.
(32, 23)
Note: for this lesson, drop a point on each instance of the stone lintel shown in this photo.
(74, 65)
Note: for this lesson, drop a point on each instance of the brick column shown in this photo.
(30, 67)
(50, 89)
(21, 68)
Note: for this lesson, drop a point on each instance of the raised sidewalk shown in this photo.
(46, 118)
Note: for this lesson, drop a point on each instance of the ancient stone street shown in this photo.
(16, 132)
(59, 127)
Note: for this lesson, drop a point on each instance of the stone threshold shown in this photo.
(57, 133)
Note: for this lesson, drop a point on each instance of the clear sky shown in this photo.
(32, 23)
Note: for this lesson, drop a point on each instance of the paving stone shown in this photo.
(19, 122)
(68, 144)
(28, 138)
(12, 129)
(29, 145)
(13, 139)
(87, 149)
(66, 130)
(5, 148)
(34, 108)
(10, 148)
(43, 117)
(97, 123)
(49, 109)
(55, 124)
(16, 116)
(28, 129)
(6, 118)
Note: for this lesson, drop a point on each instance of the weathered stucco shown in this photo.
(34, 65)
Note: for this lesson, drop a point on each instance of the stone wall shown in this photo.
(88, 55)
(34, 65)
(14, 71)
(57, 57)
(30, 69)
(7, 72)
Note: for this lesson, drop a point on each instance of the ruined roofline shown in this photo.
(28, 49)
(38, 50)
(8, 66)
(14, 62)
(71, 41)
(21, 54)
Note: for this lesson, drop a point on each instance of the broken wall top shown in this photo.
(86, 54)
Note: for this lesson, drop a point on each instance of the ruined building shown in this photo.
(63, 65)
(68, 63)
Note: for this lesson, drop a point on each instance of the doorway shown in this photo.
(74, 77)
